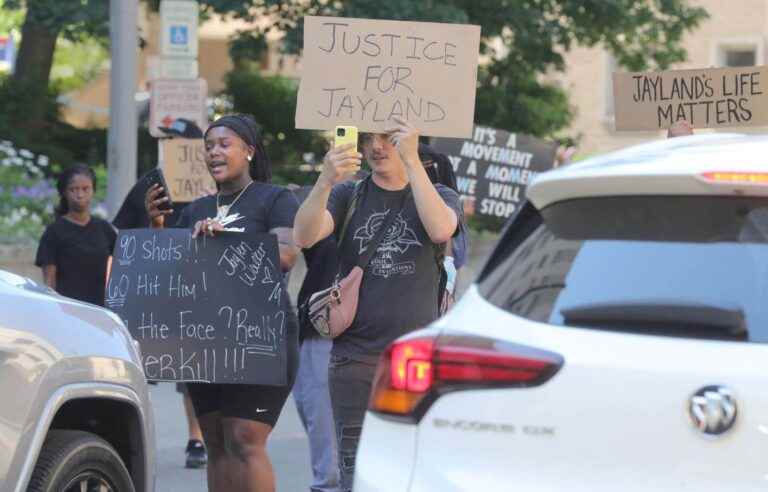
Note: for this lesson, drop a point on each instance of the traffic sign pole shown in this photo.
(123, 120)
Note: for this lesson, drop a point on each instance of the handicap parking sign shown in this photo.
(179, 34)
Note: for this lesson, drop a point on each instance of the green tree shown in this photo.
(527, 38)
(273, 101)
(44, 22)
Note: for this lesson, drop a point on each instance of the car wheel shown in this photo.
(77, 461)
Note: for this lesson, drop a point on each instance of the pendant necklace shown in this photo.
(222, 211)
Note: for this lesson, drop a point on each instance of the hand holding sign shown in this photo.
(405, 137)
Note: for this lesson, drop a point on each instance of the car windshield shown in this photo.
(680, 266)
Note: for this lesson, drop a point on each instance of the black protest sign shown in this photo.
(204, 309)
(495, 167)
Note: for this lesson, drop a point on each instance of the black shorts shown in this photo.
(245, 401)
(250, 401)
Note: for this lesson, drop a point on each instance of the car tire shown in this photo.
(69, 458)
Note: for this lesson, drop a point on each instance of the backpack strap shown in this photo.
(358, 191)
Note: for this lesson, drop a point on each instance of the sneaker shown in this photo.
(197, 457)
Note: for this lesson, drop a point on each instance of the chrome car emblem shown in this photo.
(713, 410)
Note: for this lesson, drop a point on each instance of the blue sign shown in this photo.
(179, 34)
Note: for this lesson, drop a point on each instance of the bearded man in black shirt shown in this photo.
(400, 285)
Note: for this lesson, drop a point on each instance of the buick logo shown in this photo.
(713, 410)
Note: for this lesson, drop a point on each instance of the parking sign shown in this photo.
(178, 22)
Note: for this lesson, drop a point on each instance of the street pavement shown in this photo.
(288, 447)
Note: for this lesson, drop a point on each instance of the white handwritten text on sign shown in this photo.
(365, 72)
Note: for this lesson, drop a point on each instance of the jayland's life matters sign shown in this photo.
(495, 167)
(365, 72)
(706, 98)
(206, 309)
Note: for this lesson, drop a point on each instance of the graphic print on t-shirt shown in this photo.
(398, 238)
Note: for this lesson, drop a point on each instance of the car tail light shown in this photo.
(730, 177)
(414, 372)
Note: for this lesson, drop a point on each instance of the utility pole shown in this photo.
(123, 118)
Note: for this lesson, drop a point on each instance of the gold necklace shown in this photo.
(223, 210)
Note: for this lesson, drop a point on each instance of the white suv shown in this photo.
(616, 339)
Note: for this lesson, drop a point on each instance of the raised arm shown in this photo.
(313, 221)
(288, 249)
(439, 220)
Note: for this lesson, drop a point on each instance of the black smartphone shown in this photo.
(154, 177)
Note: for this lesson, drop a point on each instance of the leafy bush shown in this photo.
(272, 101)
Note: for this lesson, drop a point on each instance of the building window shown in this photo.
(742, 52)
(740, 57)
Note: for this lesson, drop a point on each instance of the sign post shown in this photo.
(170, 99)
(178, 24)
(365, 72)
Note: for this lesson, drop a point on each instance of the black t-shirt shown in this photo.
(400, 286)
(133, 214)
(80, 255)
(264, 206)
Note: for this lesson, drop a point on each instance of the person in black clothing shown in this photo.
(237, 419)
(75, 249)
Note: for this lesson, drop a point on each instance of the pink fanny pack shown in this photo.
(331, 311)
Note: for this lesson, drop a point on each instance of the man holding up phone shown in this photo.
(401, 283)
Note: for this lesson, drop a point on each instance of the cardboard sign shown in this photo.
(495, 167)
(706, 98)
(206, 309)
(184, 168)
(364, 72)
(170, 99)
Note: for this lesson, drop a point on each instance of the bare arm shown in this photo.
(439, 220)
(288, 250)
(313, 222)
(49, 276)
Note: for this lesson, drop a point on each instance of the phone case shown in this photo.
(350, 136)
(155, 176)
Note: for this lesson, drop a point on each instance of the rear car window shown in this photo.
(687, 266)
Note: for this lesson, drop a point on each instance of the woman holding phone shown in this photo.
(236, 419)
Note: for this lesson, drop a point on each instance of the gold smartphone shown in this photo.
(343, 135)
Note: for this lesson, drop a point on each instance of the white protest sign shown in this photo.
(365, 72)
(706, 98)
(170, 99)
(179, 20)
(184, 169)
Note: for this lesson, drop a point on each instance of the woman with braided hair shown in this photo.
(236, 419)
